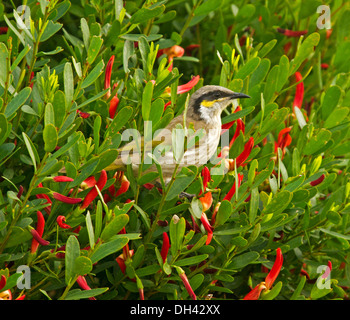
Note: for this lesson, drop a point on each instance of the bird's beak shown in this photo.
(237, 95)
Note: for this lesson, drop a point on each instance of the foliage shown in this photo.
(55, 113)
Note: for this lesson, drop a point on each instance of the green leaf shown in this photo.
(146, 101)
(191, 260)
(121, 118)
(267, 48)
(70, 143)
(279, 202)
(248, 68)
(59, 106)
(182, 181)
(336, 117)
(68, 84)
(243, 260)
(82, 265)
(78, 294)
(207, 7)
(146, 14)
(105, 249)
(5, 128)
(335, 234)
(273, 293)
(237, 115)
(88, 101)
(31, 149)
(94, 49)
(147, 178)
(278, 117)
(90, 230)
(299, 288)
(271, 84)
(177, 232)
(317, 142)
(17, 102)
(253, 205)
(330, 101)
(223, 213)
(50, 30)
(50, 138)
(72, 252)
(306, 48)
(87, 170)
(93, 75)
(317, 293)
(114, 227)
(86, 32)
(18, 236)
(4, 54)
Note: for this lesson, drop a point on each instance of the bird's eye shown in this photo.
(217, 95)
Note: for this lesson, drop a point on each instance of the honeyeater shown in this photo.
(202, 121)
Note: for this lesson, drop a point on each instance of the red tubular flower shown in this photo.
(46, 197)
(124, 186)
(207, 227)
(284, 140)
(206, 201)
(83, 284)
(185, 281)
(121, 260)
(174, 51)
(20, 192)
(88, 183)
(108, 73)
(39, 230)
(62, 179)
(245, 153)
(65, 199)
(38, 238)
(232, 191)
(324, 65)
(61, 222)
(276, 268)
(3, 30)
(113, 105)
(269, 280)
(83, 115)
(93, 192)
(2, 282)
(299, 93)
(240, 127)
(317, 181)
(167, 105)
(188, 86)
(190, 48)
(255, 293)
(290, 33)
(165, 247)
(206, 178)
(328, 270)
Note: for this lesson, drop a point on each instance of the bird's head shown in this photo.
(208, 102)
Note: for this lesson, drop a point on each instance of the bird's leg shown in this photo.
(189, 196)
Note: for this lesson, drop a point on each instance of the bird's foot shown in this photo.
(189, 196)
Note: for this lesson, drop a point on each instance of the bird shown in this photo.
(200, 123)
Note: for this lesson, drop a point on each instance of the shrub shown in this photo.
(75, 75)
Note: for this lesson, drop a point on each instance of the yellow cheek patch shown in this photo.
(207, 103)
